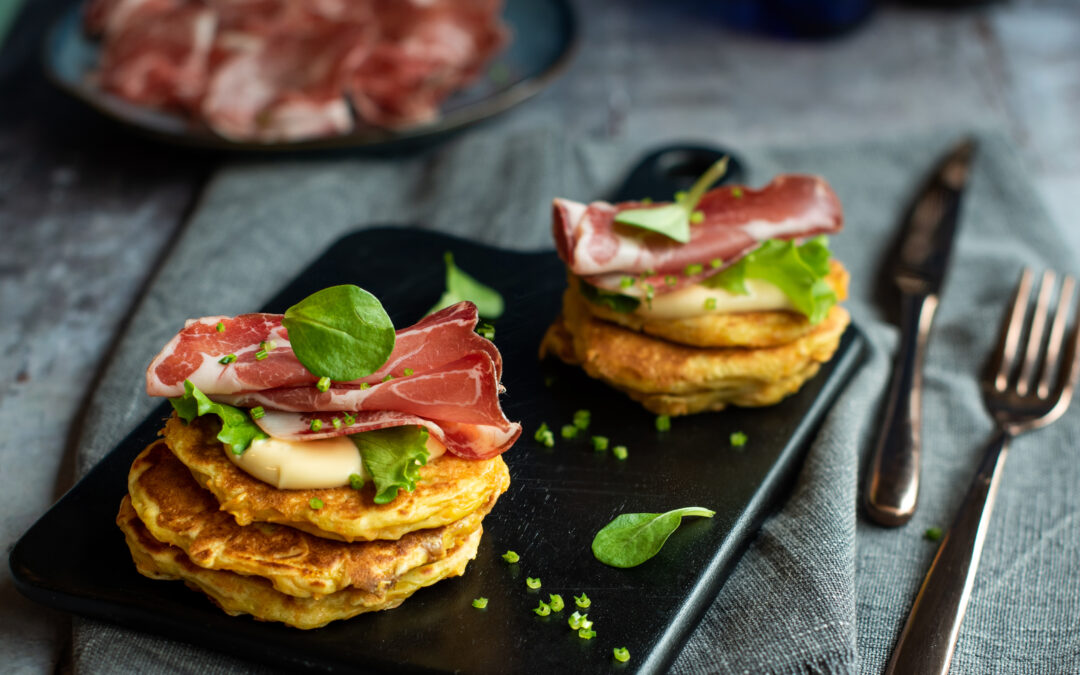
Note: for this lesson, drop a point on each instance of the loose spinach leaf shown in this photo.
(673, 220)
(341, 332)
(460, 286)
(237, 428)
(798, 270)
(623, 304)
(393, 457)
(633, 538)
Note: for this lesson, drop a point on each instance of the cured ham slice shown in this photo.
(196, 351)
(602, 251)
(471, 441)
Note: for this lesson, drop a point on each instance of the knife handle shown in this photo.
(892, 488)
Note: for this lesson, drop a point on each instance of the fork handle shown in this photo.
(892, 488)
(926, 645)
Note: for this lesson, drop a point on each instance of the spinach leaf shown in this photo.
(460, 286)
(673, 220)
(237, 428)
(341, 332)
(798, 270)
(633, 538)
(623, 304)
(393, 457)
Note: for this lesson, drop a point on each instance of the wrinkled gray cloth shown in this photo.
(820, 590)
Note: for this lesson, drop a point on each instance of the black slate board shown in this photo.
(74, 557)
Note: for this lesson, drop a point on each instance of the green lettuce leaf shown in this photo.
(623, 304)
(237, 428)
(460, 286)
(799, 271)
(393, 457)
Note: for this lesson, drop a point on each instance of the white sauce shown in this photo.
(309, 465)
(689, 302)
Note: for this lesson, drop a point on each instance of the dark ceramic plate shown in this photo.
(75, 559)
(544, 36)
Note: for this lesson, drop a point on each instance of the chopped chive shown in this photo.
(645, 200)
(533, 583)
(649, 272)
(716, 263)
(620, 452)
(548, 439)
(569, 431)
(626, 282)
(365, 385)
(257, 412)
(671, 280)
(599, 443)
(315, 503)
(583, 601)
(933, 534)
(336, 422)
(621, 654)
(227, 359)
(736, 192)
(486, 330)
(220, 327)
(575, 620)
(680, 195)
(585, 623)
(693, 268)
(710, 304)
(556, 602)
(261, 354)
(582, 418)
(663, 423)
(268, 345)
(543, 609)
(409, 371)
(323, 384)
(479, 603)
(650, 290)
(388, 377)
(349, 420)
(697, 217)
(586, 633)
(738, 439)
(316, 424)
(511, 557)
(356, 481)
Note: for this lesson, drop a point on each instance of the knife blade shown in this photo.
(892, 488)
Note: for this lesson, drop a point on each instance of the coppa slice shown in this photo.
(734, 221)
(195, 353)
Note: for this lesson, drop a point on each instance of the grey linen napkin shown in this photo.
(819, 590)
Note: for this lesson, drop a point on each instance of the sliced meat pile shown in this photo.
(278, 70)
(735, 221)
(440, 375)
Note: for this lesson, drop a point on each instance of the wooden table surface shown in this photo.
(87, 209)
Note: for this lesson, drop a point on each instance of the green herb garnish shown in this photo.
(933, 534)
(621, 654)
(220, 327)
(485, 330)
(798, 270)
(710, 304)
(227, 359)
(409, 371)
(349, 420)
(582, 419)
(556, 602)
(316, 503)
(511, 557)
(697, 217)
(738, 439)
(616, 302)
(393, 457)
(323, 384)
(460, 286)
(600, 443)
(261, 354)
(633, 538)
(543, 609)
(237, 428)
(693, 268)
(341, 332)
(626, 282)
(673, 220)
(737, 192)
(583, 602)
(479, 603)
(575, 620)
(620, 452)
(663, 423)
(257, 413)
(569, 431)
(533, 583)
(586, 633)
(316, 425)
(356, 481)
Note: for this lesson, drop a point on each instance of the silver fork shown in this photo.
(1018, 402)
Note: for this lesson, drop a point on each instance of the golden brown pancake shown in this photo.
(674, 379)
(742, 329)
(239, 594)
(449, 489)
(176, 511)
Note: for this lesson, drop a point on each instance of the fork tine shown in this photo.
(1012, 331)
(1028, 368)
(1057, 337)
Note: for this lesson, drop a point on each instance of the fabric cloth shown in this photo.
(819, 590)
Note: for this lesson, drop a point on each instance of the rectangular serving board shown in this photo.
(74, 558)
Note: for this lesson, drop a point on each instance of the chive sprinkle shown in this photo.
(626, 282)
(349, 420)
(933, 534)
(323, 384)
(261, 354)
(227, 359)
(738, 439)
(365, 385)
(220, 327)
(663, 423)
(671, 280)
(715, 263)
(543, 609)
(621, 654)
(710, 304)
(582, 418)
(600, 443)
(409, 371)
(356, 481)
(511, 557)
(544, 436)
(646, 200)
(680, 195)
(316, 424)
(486, 330)
(336, 422)
(736, 192)
(693, 268)
(697, 217)
(575, 620)
(533, 583)
(583, 601)
(586, 633)
(388, 377)
(569, 431)
(556, 602)
(620, 452)
(315, 503)
(479, 603)
(257, 412)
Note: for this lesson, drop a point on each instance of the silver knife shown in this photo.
(892, 488)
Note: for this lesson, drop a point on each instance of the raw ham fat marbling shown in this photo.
(593, 246)
(471, 441)
(196, 351)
